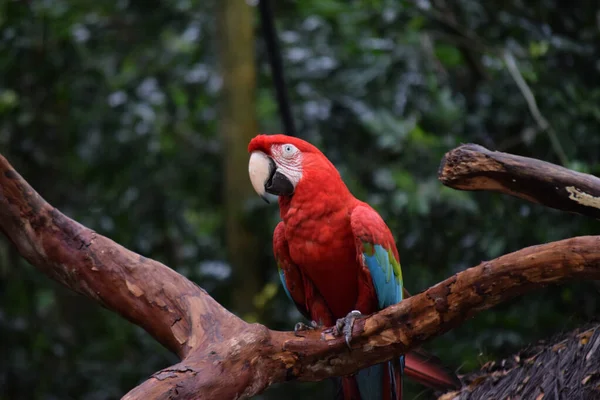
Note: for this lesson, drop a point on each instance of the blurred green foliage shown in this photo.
(109, 110)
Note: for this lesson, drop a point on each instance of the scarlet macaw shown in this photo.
(336, 256)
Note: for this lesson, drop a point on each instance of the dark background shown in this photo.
(111, 110)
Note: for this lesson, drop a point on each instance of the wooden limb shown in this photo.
(244, 365)
(473, 167)
(175, 311)
(222, 356)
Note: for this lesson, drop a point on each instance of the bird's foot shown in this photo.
(343, 326)
(301, 327)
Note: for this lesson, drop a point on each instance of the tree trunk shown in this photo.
(238, 125)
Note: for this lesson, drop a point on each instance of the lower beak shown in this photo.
(279, 185)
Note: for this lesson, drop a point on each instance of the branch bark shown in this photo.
(473, 167)
(224, 357)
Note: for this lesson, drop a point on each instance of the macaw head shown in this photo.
(278, 163)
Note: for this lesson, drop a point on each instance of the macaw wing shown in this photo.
(289, 273)
(378, 254)
(376, 251)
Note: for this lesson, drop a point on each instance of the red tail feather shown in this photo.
(419, 366)
(349, 389)
(428, 370)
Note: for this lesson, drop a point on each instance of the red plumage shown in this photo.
(316, 246)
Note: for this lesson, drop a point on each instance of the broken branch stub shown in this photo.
(473, 167)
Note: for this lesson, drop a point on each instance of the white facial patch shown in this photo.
(289, 161)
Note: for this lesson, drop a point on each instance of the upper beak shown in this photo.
(265, 177)
(261, 169)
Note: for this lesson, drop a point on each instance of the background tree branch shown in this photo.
(473, 167)
(224, 357)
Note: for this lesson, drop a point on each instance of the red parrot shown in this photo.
(337, 258)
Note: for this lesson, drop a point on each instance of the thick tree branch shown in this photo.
(175, 311)
(473, 167)
(226, 358)
(247, 363)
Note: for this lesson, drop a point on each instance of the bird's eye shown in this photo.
(289, 150)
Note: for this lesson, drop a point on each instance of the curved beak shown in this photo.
(266, 178)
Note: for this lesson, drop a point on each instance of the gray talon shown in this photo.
(344, 325)
(301, 326)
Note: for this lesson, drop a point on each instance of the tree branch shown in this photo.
(542, 122)
(226, 358)
(258, 357)
(473, 167)
(175, 311)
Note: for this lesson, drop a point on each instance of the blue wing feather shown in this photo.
(386, 275)
(388, 286)
(282, 278)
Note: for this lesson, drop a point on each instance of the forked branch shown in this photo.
(224, 357)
